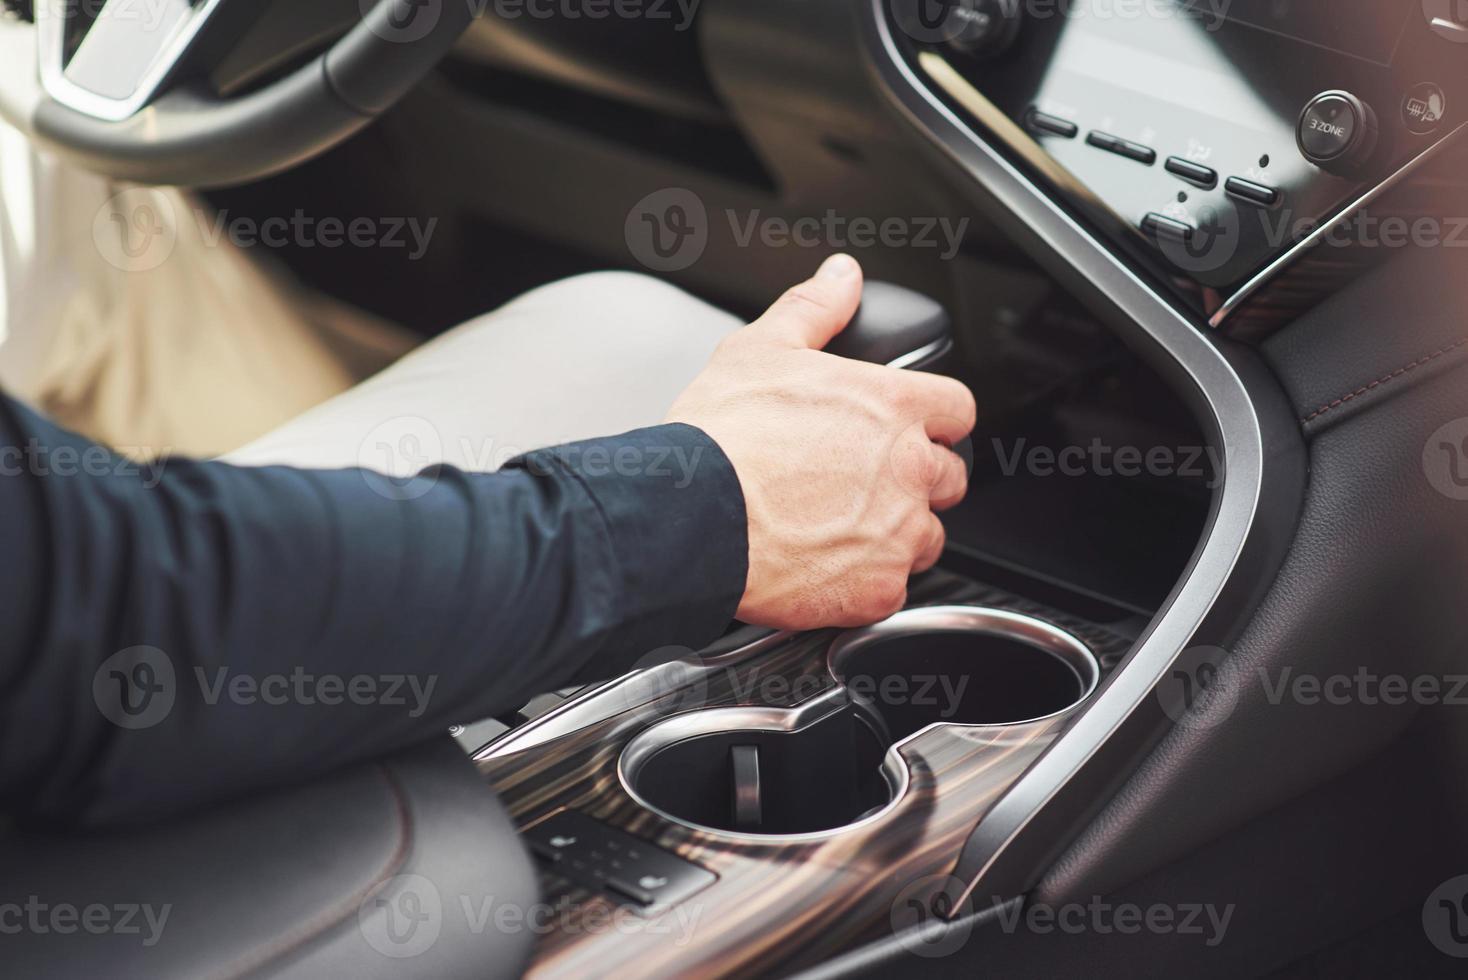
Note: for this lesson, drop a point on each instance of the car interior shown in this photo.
(1200, 612)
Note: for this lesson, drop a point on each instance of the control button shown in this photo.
(1337, 132)
(1193, 172)
(983, 28)
(630, 891)
(1121, 147)
(1423, 108)
(1046, 123)
(1249, 191)
(1163, 228)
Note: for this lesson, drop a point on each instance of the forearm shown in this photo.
(309, 619)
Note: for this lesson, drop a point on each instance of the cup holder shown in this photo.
(962, 665)
(825, 765)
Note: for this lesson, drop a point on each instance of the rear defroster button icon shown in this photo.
(1423, 108)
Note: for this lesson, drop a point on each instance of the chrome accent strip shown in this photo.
(1043, 637)
(51, 17)
(637, 687)
(1290, 255)
(1232, 418)
(924, 355)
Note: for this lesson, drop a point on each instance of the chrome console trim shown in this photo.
(1123, 718)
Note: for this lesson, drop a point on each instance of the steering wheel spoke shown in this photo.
(121, 59)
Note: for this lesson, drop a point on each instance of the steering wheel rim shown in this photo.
(186, 134)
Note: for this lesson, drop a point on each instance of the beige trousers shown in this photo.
(122, 317)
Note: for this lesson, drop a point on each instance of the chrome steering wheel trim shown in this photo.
(126, 112)
(124, 59)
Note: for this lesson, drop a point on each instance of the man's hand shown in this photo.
(842, 463)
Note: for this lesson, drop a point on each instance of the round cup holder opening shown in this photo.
(963, 665)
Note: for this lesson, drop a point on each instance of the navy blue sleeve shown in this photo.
(179, 633)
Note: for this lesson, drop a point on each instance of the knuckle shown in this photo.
(927, 467)
(890, 391)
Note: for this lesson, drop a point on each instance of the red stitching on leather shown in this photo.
(1384, 379)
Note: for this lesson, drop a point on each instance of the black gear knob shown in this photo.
(895, 326)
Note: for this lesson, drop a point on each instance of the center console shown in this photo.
(765, 806)
(778, 802)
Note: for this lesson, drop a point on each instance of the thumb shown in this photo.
(810, 313)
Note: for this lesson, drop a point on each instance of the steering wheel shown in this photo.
(126, 94)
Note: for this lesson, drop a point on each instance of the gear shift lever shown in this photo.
(895, 326)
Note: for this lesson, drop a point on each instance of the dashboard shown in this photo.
(1214, 140)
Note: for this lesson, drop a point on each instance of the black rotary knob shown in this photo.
(982, 28)
(1337, 132)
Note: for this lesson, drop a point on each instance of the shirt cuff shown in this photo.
(674, 514)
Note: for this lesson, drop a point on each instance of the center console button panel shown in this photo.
(605, 859)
